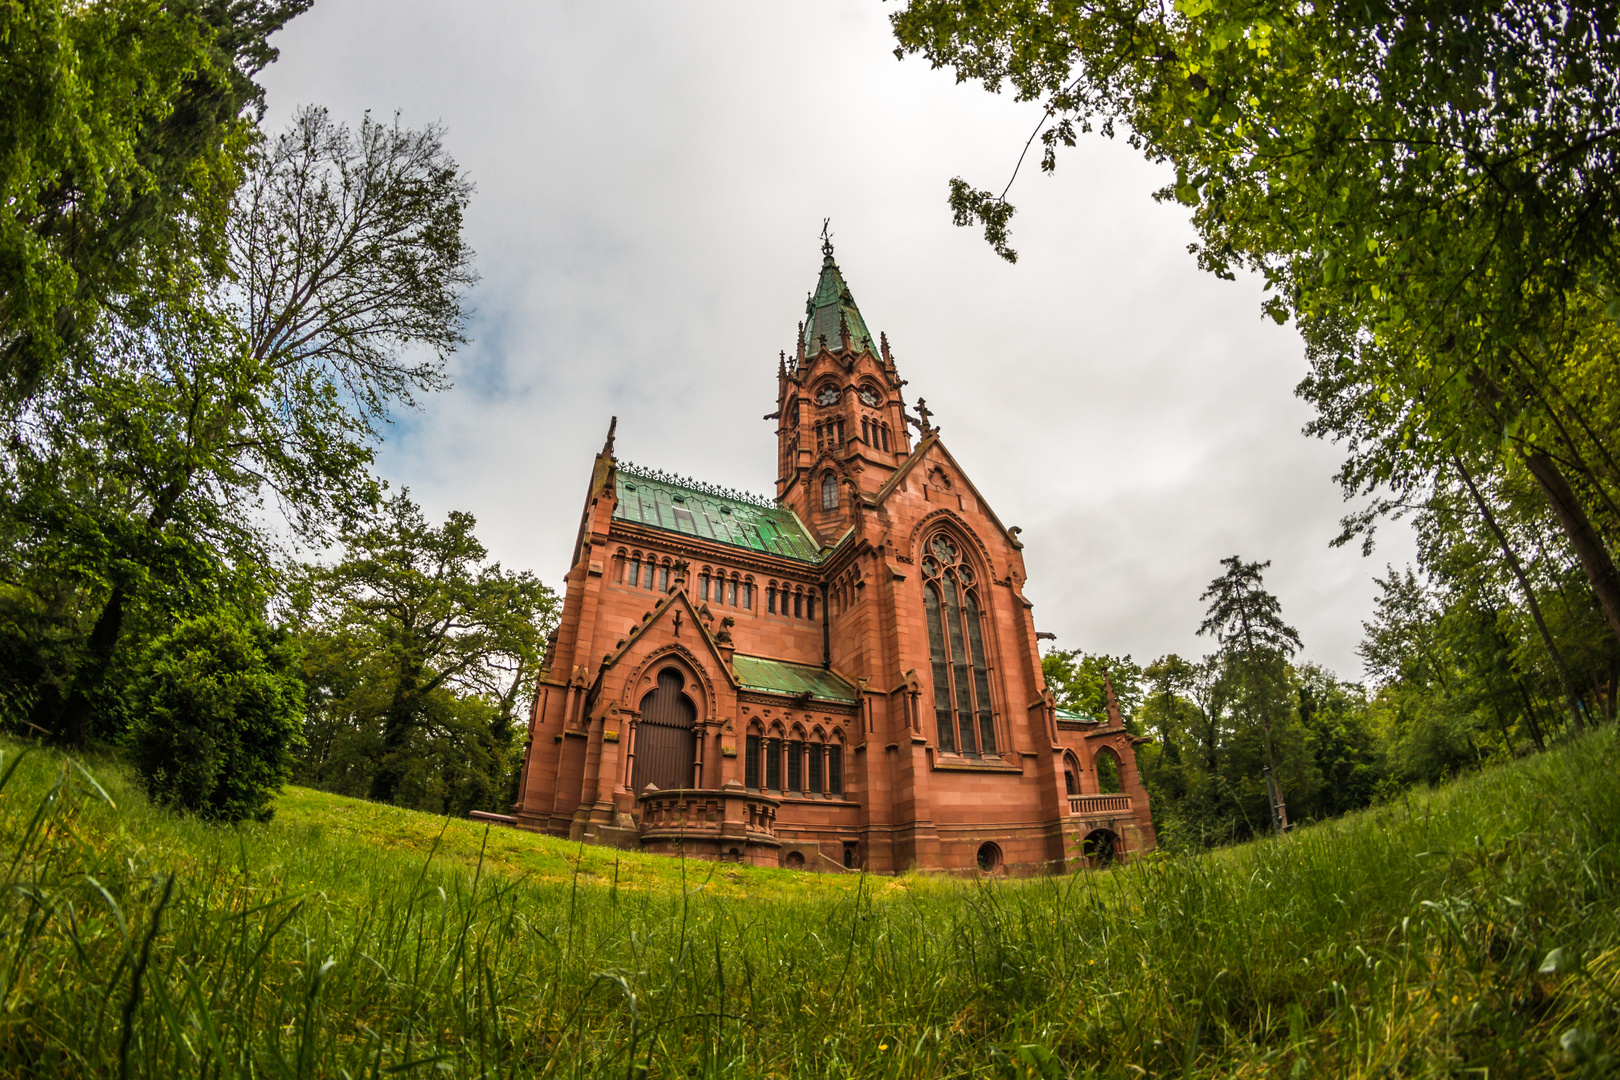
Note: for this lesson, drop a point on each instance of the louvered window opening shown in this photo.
(963, 714)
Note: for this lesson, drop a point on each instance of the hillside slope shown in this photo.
(347, 939)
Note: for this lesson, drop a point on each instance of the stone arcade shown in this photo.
(846, 675)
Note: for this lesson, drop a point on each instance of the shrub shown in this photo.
(217, 714)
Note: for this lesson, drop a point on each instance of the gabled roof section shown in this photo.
(677, 599)
(915, 458)
(783, 677)
(680, 505)
(1072, 717)
(830, 308)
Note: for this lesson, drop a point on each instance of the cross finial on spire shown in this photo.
(826, 238)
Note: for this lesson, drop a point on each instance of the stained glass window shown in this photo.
(964, 712)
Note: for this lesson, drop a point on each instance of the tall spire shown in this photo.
(830, 309)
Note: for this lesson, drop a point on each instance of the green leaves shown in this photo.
(423, 656)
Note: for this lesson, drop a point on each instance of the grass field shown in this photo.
(1468, 929)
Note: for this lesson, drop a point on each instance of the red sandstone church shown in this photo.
(846, 675)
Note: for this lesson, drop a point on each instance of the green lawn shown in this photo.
(347, 939)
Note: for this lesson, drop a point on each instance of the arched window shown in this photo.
(815, 764)
(883, 430)
(770, 598)
(866, 431)
(798, 605)
(821, 437)
(810, 605)
(635, 569)
(703, 584)
(1108, 770)
(962, 710)
(1071, 774)
(829, 491)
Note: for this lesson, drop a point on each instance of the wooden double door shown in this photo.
(666, 742)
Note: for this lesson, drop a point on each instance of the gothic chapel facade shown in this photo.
(845, 675)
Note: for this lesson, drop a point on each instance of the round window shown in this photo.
(989, 859)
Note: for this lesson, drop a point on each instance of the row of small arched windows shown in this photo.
(843, 595)
(874, 433)
(796, 765)
(650, 571)
(795, 601)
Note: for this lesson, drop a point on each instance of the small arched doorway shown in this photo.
(1100, 849)
(666, 747)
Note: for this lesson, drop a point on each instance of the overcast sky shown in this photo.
(651, 179)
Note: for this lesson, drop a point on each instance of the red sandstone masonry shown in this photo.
(905, 803)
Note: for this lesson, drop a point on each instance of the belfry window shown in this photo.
(962, 710)
(703, 585)
(821, 437)
(829, 492)
(883, 431)
(866, 431)
(840, 433)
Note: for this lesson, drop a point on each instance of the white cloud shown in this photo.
(651, 179)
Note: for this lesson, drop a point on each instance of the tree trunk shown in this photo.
(72, 724)
(1564, 681)
(1588, 545)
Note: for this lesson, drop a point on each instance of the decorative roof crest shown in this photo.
(677, 480)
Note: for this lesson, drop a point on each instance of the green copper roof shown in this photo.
(781, 677)
(1070, 714)
(831, 302)
(665, 501)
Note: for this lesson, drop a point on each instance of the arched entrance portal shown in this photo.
(1100, 848)
(665, 745)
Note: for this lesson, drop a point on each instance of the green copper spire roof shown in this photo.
(831, 307)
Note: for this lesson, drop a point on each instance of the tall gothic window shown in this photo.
(829, 492)
(962, 711)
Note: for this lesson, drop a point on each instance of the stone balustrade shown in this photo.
(1099, 804)
(728, 823)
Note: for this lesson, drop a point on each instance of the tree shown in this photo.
(343, 300)
(1247, 622)
(1077, 679)
(122, 127)
(217, 716)
(1430, 189)
(423, 656)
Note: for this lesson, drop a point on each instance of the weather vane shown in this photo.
(826, 237)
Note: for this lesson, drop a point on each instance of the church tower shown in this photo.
(842, 424)
(845, 675)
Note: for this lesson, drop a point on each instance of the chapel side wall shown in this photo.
(756, 632)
